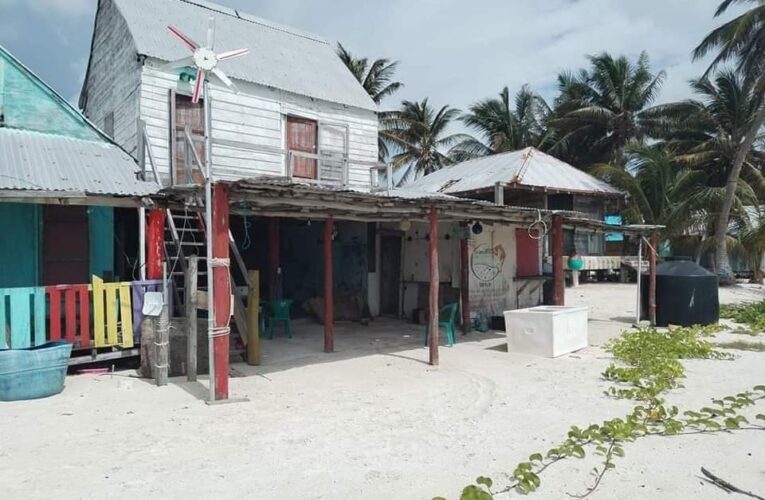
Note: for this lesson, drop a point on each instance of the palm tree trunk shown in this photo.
(724, 270)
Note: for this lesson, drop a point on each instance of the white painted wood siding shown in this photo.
(257, 116)
(114, 77)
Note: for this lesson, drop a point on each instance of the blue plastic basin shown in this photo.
(36, 372)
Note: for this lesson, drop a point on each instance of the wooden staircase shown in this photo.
(185, 236)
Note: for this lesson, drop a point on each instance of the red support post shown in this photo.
(559, 276)
(274, 288)
(155, 236)
(465, 280)
(221, 288)
(652, 278)
(434, 284)
(329, 303)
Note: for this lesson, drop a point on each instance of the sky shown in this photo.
(452, 51)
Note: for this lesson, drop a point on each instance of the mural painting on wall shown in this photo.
(491, 287)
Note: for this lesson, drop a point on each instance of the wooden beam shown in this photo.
(155, 250)
(652, 278)
(274, 270)
(253, 320)
(465, 279)
(221, 289)
(329, 306)
(191, 317)
(434, 284)
(559, 276)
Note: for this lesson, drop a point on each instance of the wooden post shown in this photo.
(652, 278)
(329, 302)
(162, 335)
(559, 277)
(253, 320)
(274, 271)
(465, 279)
(221, 289)
(434, 284)
(191, 317)
(155, 233)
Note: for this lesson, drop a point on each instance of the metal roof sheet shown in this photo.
(527, 168)
(280, 57)
(33, 161)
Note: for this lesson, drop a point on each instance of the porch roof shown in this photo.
(40, 165)
(281, 197)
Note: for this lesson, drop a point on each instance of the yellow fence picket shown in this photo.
(98, 312)
(126, 315)
(112, 309)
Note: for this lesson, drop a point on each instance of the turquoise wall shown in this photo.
(101, 234)
(20, 244)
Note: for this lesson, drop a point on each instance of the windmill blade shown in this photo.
(198, 85)
(180, 63)
(188, 42)
(211, 34)
(232, 54)
(225, 79)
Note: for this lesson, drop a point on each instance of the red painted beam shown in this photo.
(155, 232)
(329, 300)
(465, 280)
(221, 288)
(652, 278)
(559, 276)
(274, 289)
(434, 283)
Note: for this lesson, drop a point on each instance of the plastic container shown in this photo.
(549, 331)
(36, 372)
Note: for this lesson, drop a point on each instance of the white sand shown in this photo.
(371, 421)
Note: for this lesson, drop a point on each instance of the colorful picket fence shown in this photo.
(89, 316)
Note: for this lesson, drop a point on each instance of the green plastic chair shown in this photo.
(279, 311)
(446, 316)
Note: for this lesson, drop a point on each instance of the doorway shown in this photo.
(193, 115)
(390, 274)
(66, 252)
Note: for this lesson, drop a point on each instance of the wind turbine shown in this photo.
(204, 59)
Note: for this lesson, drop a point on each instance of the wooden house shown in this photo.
(299, 112)
(67, 192)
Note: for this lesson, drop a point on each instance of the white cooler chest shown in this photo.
(549, 331)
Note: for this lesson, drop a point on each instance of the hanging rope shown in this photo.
(538, 229)
(247, 241)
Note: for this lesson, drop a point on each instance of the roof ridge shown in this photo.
(244, 16)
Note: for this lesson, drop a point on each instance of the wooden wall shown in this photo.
(114, 77)
(257, 115)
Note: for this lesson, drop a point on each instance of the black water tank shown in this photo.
(686, 294)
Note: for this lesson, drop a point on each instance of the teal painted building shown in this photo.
(60, 179)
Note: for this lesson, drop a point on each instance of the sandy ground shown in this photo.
(371, 421)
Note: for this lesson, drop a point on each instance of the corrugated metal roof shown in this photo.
(33, 161)
(527, 168)
(280, 57)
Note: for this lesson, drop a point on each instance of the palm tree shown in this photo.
(741, 40)
(705, 134)
(377, 80)
(504, 125)
(418, 133)
(598, 111)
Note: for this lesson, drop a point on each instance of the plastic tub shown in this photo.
(36, 372)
